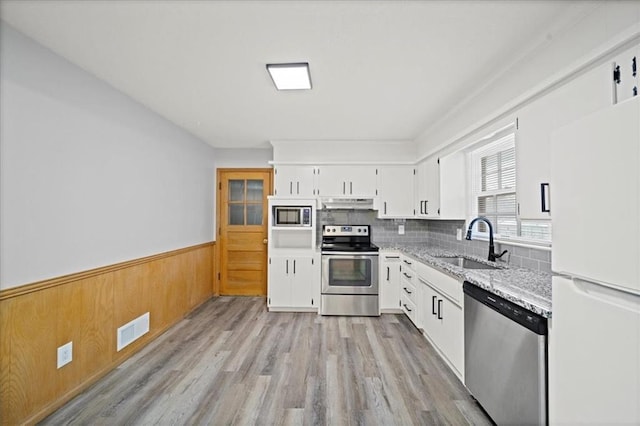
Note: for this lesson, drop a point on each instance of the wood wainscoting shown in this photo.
(87, 308)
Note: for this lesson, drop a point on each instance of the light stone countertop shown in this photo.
(524, 287)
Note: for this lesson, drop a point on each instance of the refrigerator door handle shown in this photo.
(620, 298)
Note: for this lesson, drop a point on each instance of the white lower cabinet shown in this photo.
(389, 281)
(294, 282)
(443, 319)
(410, 300)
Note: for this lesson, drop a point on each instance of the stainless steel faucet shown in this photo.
(492, 255)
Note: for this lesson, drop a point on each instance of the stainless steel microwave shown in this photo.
(292, 216)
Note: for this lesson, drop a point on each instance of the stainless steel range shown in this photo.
(349, 271)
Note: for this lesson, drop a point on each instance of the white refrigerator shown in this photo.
(594, 335)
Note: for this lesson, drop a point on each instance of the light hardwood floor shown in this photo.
(232, 362)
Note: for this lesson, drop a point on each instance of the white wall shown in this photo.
(88, 176)
(323, 151)
(243, 158)
(569, 47)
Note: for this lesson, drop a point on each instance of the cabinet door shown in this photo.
(624, 67)
(280, 281)
(389, 278)
(537, 121)
(363, 182)
(444, 325)
(350, 181)
(294, 181)
(430, 321)
(428, 183)
(451, 334)
(305, 277)
(453, 186)
(395, 191)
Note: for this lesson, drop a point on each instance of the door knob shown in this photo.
(265, 241)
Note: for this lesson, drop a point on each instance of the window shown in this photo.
(494, 185)
(245, 202)
(493, 190)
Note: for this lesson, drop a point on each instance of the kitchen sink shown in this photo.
(465, 263)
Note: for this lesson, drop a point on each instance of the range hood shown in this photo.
(343, 203)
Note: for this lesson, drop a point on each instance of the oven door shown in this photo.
(350, 273)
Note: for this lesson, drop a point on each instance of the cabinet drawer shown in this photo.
(409, 308)
(408, 290)
(442, 282)
(408, 263)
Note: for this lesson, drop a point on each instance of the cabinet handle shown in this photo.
(407, 262)
(433, 305)
(385, 207)
(407, 308)
(298, 188)
(406, 275)
(426, 207)
(439, 308)
(287, 271)
(388, 273)
(544, 198)
(291, 187)
(405, 289)
(350, 187)
(294, 266)
(423, 209)
(344, 186)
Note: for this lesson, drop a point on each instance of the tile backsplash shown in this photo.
(383, 231)
(437, 233)
(443, 234)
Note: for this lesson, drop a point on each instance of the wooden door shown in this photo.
(242, 230)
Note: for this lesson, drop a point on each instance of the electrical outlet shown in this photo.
(459, 234)
(65, 354)
(400, 229)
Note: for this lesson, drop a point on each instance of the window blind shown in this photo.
(494, 185)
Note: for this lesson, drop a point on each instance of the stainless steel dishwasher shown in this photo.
(505, 358)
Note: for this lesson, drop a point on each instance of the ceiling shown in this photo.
(381, 70)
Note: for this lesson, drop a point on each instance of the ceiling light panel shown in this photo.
(292, 76)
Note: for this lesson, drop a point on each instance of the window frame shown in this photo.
(474, 152)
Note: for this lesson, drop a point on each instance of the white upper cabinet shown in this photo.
(395, 191)
(624, 75)
(441, 187)
(295, 181)
(428, 188)
(346, 181)
(536, 122)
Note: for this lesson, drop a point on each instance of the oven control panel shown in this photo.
(345, 230)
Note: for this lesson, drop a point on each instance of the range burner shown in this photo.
(347, 238)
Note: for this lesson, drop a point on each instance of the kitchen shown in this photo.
(560, 77)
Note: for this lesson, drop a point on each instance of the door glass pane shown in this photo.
(236, 214)
(254, 190)
(254, 214)
(236, 190)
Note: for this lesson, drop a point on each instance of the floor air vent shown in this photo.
(133, 330)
